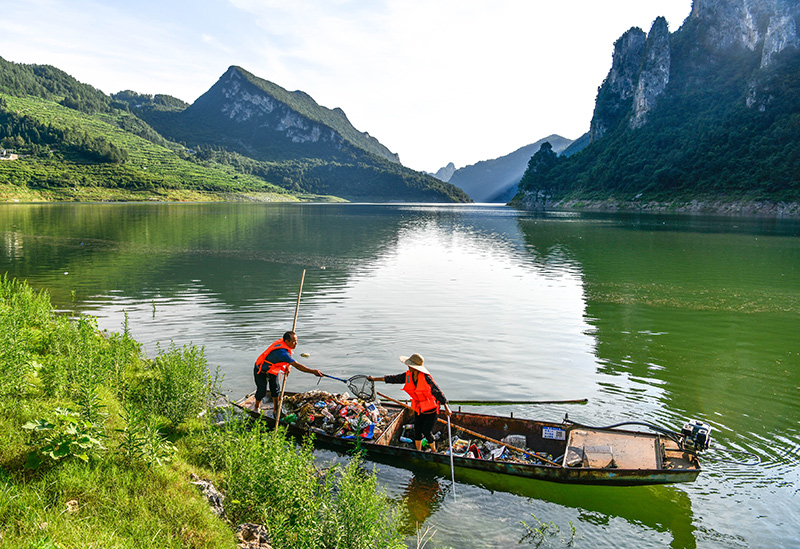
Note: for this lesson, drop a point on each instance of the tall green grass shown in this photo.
(176, 385)
(301, 507)
(25, 319)
(97, 444)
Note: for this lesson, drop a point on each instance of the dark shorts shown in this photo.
(262, 381)
(423, 426)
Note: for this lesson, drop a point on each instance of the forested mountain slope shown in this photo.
(711, 111)
(69, 135)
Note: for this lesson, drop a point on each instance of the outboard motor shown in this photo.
(696, 435)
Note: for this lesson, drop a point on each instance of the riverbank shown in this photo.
(708, 206)
(11, 193)
(101, 446)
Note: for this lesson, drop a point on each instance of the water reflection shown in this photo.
(422, 497)
(426, 492)
(652, 318)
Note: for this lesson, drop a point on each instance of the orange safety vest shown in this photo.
(422, 399)
(278, 366)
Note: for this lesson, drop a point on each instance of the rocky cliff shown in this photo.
(616, 93)
(654, 73)
(263, 119)
(767, 26)
(707, 113)
(642, 66)
(289, 140)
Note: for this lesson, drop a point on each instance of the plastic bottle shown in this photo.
(406, 440)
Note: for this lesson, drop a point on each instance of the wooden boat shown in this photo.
(584, 455)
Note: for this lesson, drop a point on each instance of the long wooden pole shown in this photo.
(473, 433)
(514, 402)
(294, 325)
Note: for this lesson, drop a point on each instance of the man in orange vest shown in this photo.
(425, 397)
(275, 359)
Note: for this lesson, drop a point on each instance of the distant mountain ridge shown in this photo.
(445, 173)
(496, 180)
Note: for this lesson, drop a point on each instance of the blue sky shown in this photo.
(436, 81)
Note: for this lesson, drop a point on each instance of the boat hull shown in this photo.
(543, 436)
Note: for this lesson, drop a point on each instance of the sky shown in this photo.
(435, 81)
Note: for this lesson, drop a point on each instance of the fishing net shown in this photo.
(362, 387)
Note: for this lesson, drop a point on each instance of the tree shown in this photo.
(535, 180)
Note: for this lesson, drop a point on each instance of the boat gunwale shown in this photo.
(544, 471)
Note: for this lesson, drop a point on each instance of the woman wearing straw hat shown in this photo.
(425, 397)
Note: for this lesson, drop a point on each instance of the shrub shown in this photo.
(271, 481)
(177, 384)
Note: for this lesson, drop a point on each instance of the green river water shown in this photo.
(653, 318)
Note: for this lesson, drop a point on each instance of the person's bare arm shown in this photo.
(306, 369)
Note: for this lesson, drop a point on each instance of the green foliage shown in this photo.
(271, 482)
(133, 100)
(76, 355)
(104, 504)
(139, 490)
(152, 165)
(547, 533)
(537, 179)
(176, 385)
(24, 317)
(68, 435)
(50, 83)
(376, 179)
(361, 515)
(141, 441)
(79, 144)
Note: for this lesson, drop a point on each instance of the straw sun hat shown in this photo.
(415, 362)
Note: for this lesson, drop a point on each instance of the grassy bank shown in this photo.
(98, 444)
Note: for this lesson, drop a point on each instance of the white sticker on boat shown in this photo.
(553, 433)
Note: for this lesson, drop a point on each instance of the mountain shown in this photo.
(444, 174)
(577, 146)
(244, 136)
(289, 137)
(262, 120)
(496, 180)
(708, 112)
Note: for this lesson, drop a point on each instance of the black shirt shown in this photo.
(435, 391)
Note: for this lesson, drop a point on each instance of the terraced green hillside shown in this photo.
(152, 170)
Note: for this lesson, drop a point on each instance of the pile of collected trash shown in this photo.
(480, 449)
(340, 416)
